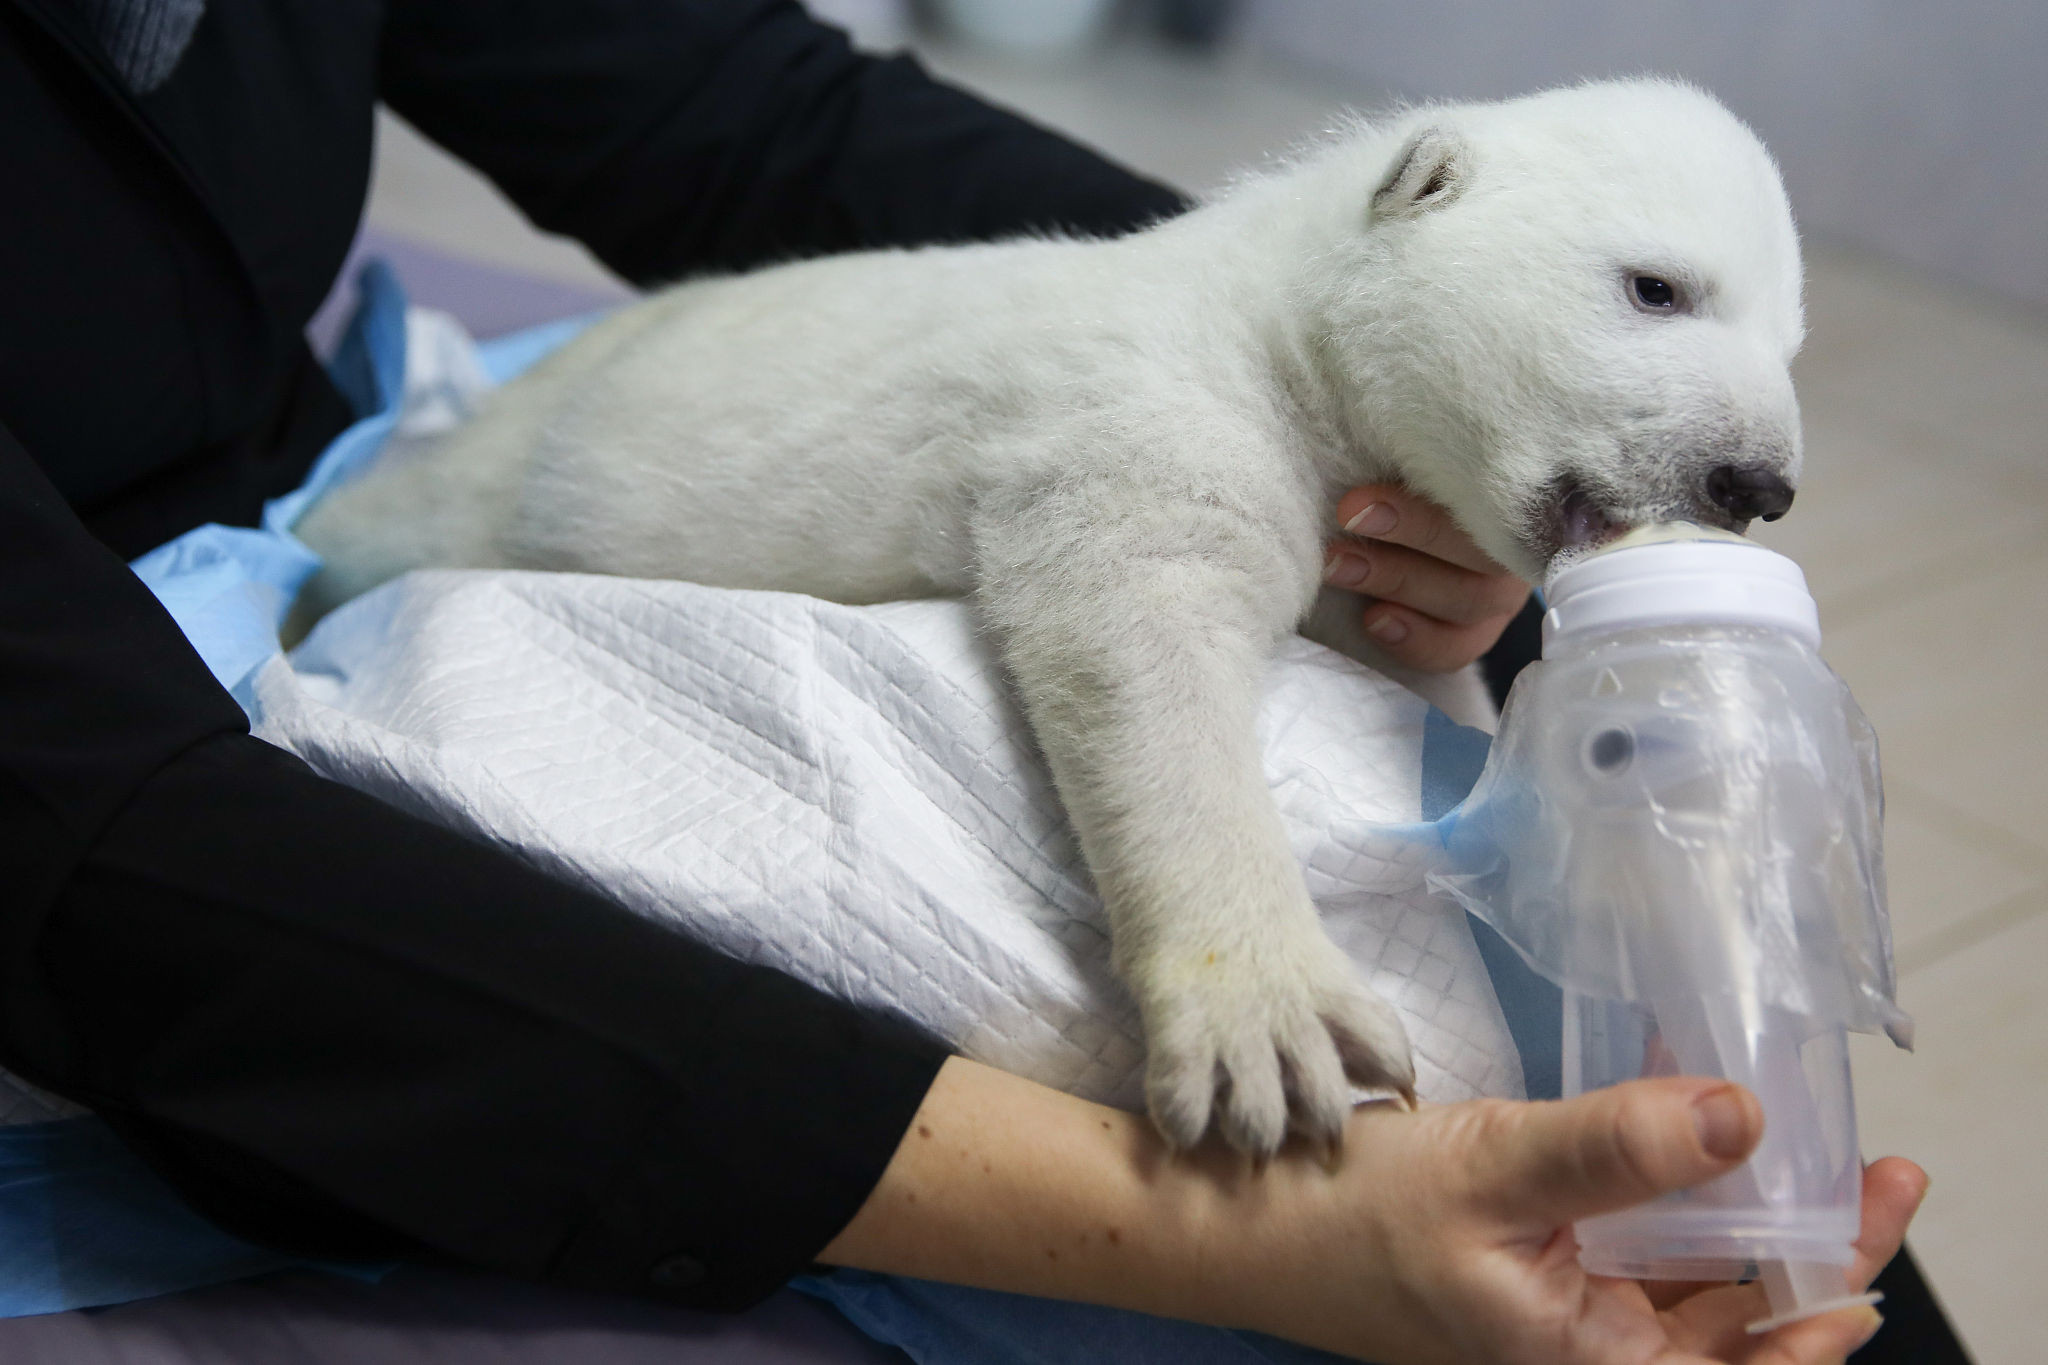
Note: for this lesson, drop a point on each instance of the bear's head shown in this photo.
(1571, 314)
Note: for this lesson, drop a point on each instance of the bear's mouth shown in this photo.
(1573, 521)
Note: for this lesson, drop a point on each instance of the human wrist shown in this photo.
(1004, 1184)
(1274, 1236)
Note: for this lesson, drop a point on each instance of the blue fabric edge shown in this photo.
(1453, 756)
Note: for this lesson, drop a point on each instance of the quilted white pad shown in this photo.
(850, 794)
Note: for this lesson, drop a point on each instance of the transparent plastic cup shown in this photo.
(1680, 825)
(1682, 806)
(1790, 1214)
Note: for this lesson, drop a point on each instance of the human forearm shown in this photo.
(679, 136)
(1433, 1237)
(1006, 1184)
(345, 1032)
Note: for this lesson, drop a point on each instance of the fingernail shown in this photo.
(1722, 1121)
(1377, 519)
(1388, 630)
(1346, 571)
(1876, 1320)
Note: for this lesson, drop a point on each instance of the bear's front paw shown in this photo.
(1264, 1045)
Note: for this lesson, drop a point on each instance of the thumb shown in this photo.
(1562, 1161)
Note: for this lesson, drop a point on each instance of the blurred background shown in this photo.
(1914, 140)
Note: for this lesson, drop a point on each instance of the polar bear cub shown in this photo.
(1558, 316)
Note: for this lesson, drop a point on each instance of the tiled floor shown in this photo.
(1923, 526)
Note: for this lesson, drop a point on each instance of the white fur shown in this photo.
(1128, 452)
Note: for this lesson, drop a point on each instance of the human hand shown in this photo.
(1438, 1236)
(1445, 1235)
(1437, 602)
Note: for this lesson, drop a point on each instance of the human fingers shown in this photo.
(1426, 644)
(1438, 602)
(1892, 1190)
(1436, 588)
(1390, 513)
(1540, 1166)
(1824, 1340)
(1714, 1325)
(1715, 1322)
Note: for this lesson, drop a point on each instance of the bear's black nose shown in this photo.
(1746, 494)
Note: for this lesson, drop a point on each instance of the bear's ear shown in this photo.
(1429, 173)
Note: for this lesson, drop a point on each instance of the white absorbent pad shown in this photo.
(850, 794)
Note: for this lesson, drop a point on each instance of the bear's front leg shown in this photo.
(1141, 676)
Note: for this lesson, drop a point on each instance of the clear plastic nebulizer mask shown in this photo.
(1679, 824)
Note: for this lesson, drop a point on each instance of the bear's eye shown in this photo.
(1653, 294)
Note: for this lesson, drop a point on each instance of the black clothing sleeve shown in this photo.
(347, 1033)
(678, 136)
